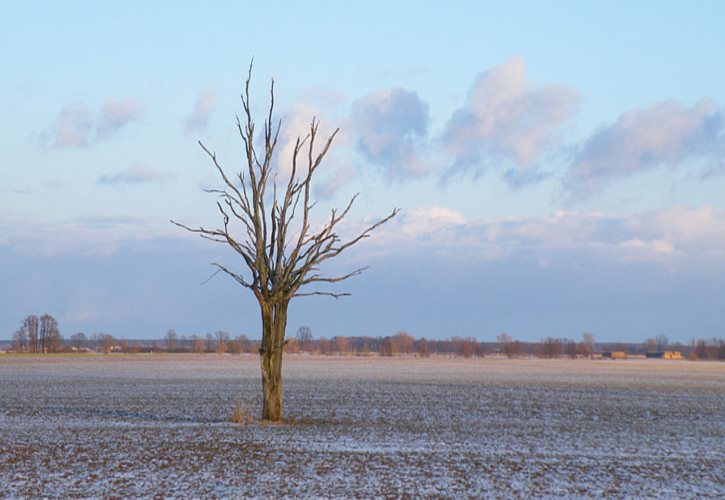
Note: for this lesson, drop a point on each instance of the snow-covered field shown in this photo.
(158, 425)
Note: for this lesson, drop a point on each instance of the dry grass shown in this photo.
(241, 414)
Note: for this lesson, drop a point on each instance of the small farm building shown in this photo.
(665, 355)
(614, 354)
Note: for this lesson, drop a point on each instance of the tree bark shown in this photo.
(274, 323)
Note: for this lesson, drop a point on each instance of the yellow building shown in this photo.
(614, 354)
(665, 355)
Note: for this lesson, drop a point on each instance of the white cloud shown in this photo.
(677, 235)
(506, 117)
(702, 227)
(665, 134)
(77, 126)
(390, 128)
(661, 236)
(430, 219)
(137, 174)
(656, 246)
(116, 114)
(99, 235)
(74, 127)
(296, 124)
(199, 117)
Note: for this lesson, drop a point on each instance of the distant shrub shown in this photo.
(550, 348)
(514, 349)
(387, 347)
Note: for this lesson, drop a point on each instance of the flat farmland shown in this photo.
(145, 425)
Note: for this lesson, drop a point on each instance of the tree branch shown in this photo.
(328, 294)
(280, 257)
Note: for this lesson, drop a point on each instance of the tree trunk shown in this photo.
(274, 322)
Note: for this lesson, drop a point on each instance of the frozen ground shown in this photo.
(157, 426)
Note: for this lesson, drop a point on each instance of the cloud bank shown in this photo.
(78, 127)
(669, 236)
(666, 134)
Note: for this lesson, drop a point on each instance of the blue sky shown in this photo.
(560, 166)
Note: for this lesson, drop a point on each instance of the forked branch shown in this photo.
(280, 259)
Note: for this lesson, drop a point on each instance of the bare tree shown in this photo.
(468, 347)
(210, 343)
(280, 249)
(662, 342)
(304, 337)
(503, 338)
(170, 339)
(236, 345)
(551, 347)
(572, 350)
(650, 345)
(20, 340)
(387, 347)
(79, 340)
(198, 344)
(243, 343)
(222, 340)
(107, 342)
(366, 347)
(323, 346)
(30, 326)
(512, 349)
(589, 342)
(341, 344)
(48, 337)
(403, 342)
(423, 348)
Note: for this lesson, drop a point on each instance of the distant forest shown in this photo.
(42, 335)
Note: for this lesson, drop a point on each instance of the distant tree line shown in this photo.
(219, 342)
(42, 335)
(404, 344)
